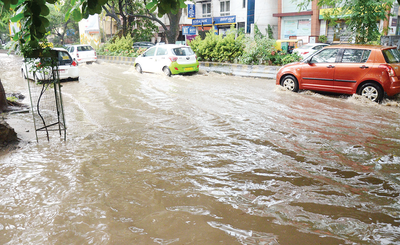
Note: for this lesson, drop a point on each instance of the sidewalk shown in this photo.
(259, 71)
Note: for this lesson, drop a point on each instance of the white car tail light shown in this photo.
(173, 58)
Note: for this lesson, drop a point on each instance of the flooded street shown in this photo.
(201, 159)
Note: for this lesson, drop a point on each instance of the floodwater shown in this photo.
(202, 159)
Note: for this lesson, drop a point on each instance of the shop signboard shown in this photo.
(188, 30)
(202, 22)
(191, 11)
(225, 20)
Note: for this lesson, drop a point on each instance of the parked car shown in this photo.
(67, 67)
(287, 45)
(145, 45)
(366, 70)
(168, 58)
(308, 49)
(83, 53)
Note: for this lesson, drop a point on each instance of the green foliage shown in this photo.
(34, 21)
(12, 99)
(144, 30)
(126, 53)
(270, 32)
(361, 16)
(235, 47)
(120, 47)
(63, 31)
(166, 6)
(283, 58)
(257, 51)
(323, 38)
(218, 48)
(120, 44)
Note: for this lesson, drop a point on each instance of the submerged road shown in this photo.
(201, 159)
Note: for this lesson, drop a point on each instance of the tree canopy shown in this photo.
(33, 15)
(361, 16)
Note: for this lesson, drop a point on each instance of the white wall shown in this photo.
(290, 6)
(264, 10)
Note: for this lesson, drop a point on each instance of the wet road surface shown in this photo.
(202, 159)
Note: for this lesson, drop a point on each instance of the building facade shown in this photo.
(295, 23)
(202, 16)
(284, 17)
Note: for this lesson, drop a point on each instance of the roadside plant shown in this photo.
(219, 48)
(258, 51)
(120, 44)
(323, 39)
(283, 58)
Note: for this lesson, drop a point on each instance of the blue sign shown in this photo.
(191, 11)
(204, 21)
(188, 30)
(224, 20)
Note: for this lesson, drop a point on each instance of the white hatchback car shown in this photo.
(168, 58)
(308, 49)
(82, 53)
(67, 67)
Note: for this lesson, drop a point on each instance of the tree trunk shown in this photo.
(3, 98)
(173, 32)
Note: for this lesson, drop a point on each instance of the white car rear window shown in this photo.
(184, 51)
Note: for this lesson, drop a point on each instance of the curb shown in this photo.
(117, 59)
(258, 71)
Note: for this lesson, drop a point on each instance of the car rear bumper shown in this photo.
(87, 59)
(177, 68)
(394, 87)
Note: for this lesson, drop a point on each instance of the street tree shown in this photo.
(361, 16)
(171, 33)
(60, 28)
(135, 15)
(33, 15)
(121, 11)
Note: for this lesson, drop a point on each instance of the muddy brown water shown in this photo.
(202, 159)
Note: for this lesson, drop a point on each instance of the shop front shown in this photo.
(219, 24)
(298, 27)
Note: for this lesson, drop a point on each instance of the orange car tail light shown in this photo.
(389, 69)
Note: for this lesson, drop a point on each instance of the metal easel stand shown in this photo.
(45, 94)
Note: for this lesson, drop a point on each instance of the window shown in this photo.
(64, 58)
(225, 8)
(391, 55)
(206, 7)
(84, 48)
(149, 52)
(162, 51)
(244, 4)
(325, 56)
(318, 47)
(355, 55)
(183, 51)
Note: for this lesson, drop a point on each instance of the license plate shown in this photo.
(188, 69)
(61, 71)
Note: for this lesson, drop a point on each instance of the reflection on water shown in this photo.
(203, 159)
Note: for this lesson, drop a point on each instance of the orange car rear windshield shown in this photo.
(391, 55)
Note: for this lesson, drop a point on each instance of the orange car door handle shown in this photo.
(331, 66)
(364, 67)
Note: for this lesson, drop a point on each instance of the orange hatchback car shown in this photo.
(367, 70)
